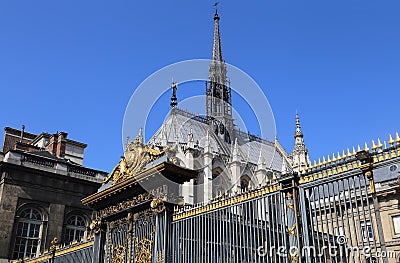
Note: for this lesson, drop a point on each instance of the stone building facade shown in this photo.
(42, 182)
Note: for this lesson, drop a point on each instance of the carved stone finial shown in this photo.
(139, 138)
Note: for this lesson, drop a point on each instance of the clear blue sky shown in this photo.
(73, 65)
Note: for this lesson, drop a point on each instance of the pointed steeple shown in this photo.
(300, 157)
(217, 70)
(299, 133)
(218, 92)
(217, 48)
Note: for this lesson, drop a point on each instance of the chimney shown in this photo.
(61, 144)
(22, 133)
(52, 146)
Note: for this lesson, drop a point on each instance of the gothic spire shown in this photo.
(217, 49)
(300, 157)
(299, 133)
(218, 91)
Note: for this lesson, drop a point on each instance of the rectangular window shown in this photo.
(396, 224)
(367, 231)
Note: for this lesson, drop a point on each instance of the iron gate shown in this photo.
(327, 214)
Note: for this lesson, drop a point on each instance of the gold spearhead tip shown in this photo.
(379, 143)
(366, 147)
(391, 141)
(373, 145)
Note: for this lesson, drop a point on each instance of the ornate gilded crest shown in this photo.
(136, 156)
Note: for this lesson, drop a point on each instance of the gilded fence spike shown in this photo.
(391, 141)
(333, 157)
(323, 160)
(374, 146)
(348, 153)
(354, 151)
(344, 154)
(329, 159)
(366, 147)
(339, 157)
(359, 148)
(397, 137)
(319, 162)
(315, 163)
(380, 144)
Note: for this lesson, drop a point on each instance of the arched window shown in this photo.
(75, 228)
(29, 231)
(244, 184)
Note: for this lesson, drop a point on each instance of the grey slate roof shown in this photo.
(179, 123)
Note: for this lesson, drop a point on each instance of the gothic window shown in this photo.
(29, 230)
(75, 228)
(244, 184)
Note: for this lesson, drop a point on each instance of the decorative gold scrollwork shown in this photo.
(157, 205)
(54, 245)
(118, 254)
(291, 230)
(143, 250)
(136, 156)
(125, 204)
(95, 226)
(160, 257)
